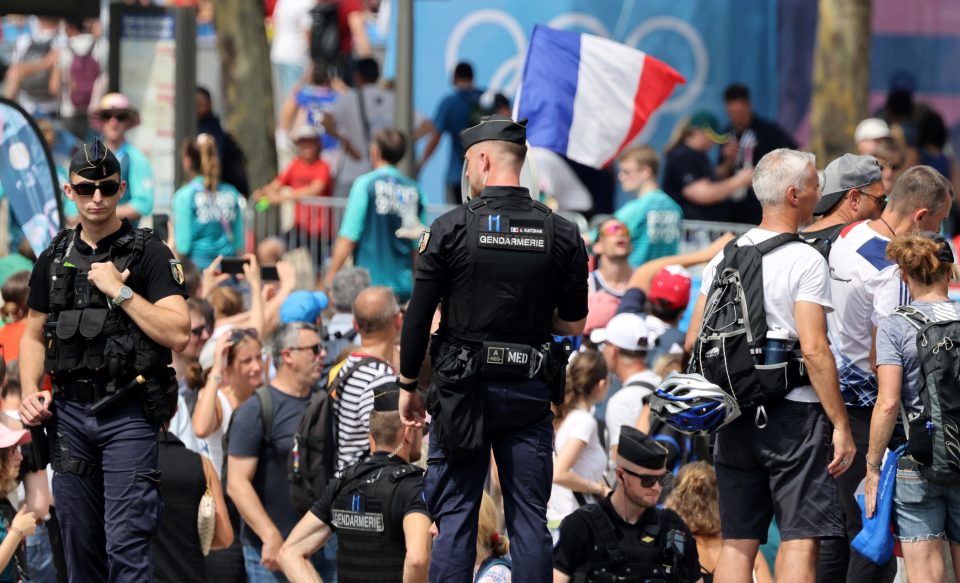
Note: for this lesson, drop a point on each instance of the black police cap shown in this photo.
(637, 448)
(386, 399)
(94, 161)
(495, 127)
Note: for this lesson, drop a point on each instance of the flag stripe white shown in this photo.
(604, 105)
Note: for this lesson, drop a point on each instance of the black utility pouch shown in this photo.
(456, 402)
(502, 360)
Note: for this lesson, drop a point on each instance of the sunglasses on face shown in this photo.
(880, 199)
(614, 229)
(117, 115)
(316, 348)
(106, 188)
(650, 481)
(199, 330)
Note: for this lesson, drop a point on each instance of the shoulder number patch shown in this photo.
(176, 270)
(424, 240)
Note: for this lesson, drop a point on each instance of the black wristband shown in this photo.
(410, 387)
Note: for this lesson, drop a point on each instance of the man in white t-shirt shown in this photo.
(783, 466)
(625, 344)
(866, 288)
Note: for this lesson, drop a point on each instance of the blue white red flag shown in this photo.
(588, 97)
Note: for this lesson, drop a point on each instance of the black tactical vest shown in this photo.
(617, 559)
(86, 337)
(509, 295)
(370, 538)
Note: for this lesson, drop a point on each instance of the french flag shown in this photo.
(588, 97)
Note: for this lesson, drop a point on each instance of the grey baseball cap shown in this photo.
(846, 172)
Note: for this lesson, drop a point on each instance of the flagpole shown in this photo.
(404, 88)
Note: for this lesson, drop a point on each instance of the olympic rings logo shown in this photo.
(507, 75)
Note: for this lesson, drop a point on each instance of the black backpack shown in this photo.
(933, 436)
(313, 454)
(730, 347)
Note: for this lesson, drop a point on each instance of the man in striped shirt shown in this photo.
(376, 316)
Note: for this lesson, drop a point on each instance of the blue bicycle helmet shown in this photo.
(691, 404)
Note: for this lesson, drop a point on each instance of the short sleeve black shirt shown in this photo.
(683, 167)
(151, 277)
(407, 499)
(576, 542)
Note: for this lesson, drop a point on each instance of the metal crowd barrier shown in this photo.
(328, 213)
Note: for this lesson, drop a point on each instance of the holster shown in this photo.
(40, 446)
(554, 368)
(159, 396)
(455, 401)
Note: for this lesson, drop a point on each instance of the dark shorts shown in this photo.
(780, 470)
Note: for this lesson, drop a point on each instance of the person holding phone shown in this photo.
(107, 308)
(207, 212)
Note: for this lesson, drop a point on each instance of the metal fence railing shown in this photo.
(323, 215)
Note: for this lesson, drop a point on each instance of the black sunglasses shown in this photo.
(198, 331)
(650, 481)
(107, 188)
(117, 115)
(316, 348)
(880, 200)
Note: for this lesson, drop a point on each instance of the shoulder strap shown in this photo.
(405, 471)
(489, 563)
(347, 370)
(916, 318)
(363, 116)
(266, 411)
(603, 531)
(777, 241)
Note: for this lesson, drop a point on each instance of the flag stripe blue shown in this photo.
(550, 86)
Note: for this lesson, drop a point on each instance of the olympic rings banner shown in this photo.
(710, 43)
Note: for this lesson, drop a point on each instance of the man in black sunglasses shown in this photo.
(852, 191)
(625, 537)
(107, 307)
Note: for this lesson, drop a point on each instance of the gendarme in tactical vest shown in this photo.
(91, 342)
(370, 539)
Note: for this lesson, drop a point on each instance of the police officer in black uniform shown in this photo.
(106, 308)
(376, 507)
(625, 537)
(507, 273)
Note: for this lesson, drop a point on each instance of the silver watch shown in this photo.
(125, 294)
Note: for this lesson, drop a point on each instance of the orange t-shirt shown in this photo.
(10, 339)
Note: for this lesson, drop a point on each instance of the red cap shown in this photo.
(670, 287)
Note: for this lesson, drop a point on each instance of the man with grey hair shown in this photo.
(866, 288)
(376, 316)
(339, 332)
(257, 463)
(780, 466)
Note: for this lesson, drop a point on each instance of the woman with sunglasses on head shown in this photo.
(229, 370)
(14, 526)
(113, 117)
(580, 458)
(207, 212)
(925, 510)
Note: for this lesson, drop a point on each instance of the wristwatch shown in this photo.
(125, 294)
(410, 387)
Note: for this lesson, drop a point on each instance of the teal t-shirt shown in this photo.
(136, 170)
(656, 226)
(381, 202)
(207, 224)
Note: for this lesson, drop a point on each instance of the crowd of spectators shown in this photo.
(259, 343)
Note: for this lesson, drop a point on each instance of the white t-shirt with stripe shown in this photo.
(353, 405)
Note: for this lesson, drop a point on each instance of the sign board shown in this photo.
(153, 63)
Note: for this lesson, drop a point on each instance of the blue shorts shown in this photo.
(924, 510)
